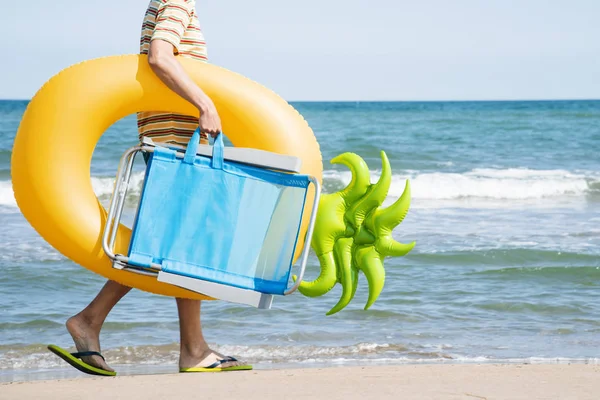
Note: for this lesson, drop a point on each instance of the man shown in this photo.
(170, 28)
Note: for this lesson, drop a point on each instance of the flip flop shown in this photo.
(72, 359)
(214, 367)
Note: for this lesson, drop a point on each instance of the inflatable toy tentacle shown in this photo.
(326, 279)
(343, 252)
(386, 219)
(360, 177)
(354, 271)
(375, 195)
(388, 247)
(371, 265)
(328, 227)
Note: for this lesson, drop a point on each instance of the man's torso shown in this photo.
(176, 22)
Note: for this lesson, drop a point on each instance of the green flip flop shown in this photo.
(73, 360)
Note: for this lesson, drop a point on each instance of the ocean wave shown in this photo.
(529, 308)
(506, 256)
(483, 183)
(589, 274)
(32, 324)
(7, 196)
(103, 188)
(36, 357)
(18, 249)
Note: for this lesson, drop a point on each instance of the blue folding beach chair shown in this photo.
(221, 221)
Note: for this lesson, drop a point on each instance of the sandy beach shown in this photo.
(576, 381)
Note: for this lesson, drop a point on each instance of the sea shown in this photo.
(505, 213)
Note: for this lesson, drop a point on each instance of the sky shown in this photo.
(328, 50)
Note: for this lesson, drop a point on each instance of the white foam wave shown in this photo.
(14, 250)
(7, 196)
(103, 188)
(498, 184)
(36, 357)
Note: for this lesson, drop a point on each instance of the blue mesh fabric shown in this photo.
(220, 221)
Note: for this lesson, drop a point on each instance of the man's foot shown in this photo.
(205, 360)
(86, 338)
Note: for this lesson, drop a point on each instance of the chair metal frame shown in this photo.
(255, 157)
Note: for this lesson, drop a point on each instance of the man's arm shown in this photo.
(170, 71)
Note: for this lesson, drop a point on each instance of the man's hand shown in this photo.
(210, 122)
(169, 70)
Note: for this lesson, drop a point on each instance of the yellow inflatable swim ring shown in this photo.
(62, 124)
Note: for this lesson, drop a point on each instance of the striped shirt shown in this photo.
(176, 22)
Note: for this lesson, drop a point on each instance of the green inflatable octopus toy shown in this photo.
(352, 233)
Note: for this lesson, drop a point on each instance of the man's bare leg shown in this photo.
(86, 325)
(194, 351)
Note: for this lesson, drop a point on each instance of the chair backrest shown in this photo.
(218, 219)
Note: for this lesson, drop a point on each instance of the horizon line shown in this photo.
(408, 101)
